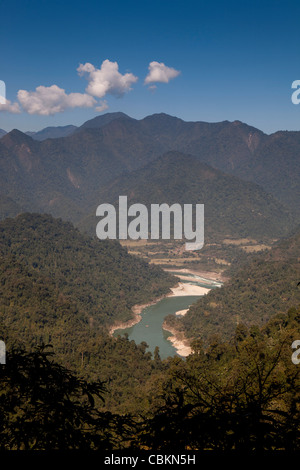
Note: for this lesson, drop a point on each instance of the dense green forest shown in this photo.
(61, 288)
(68, 384)
(98, 276)
(237, 395)
(262, 287)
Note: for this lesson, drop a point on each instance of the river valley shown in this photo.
(149, 326)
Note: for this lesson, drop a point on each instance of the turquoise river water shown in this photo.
(150, 330)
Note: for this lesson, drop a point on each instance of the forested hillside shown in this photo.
(233, 208)
(267, 285)
(99, 276)
(62, 291)
(63, 176)
(240, 395)
(55, 281)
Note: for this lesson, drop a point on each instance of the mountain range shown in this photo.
(61, 289)
(66, 175)
(233, 208)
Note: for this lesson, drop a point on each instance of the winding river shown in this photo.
(150, 328)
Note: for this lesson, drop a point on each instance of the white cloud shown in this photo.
(10, 107)
(159, 72)
(107, 79)
(50, 100)
(102, 106)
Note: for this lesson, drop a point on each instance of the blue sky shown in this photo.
(223, 60)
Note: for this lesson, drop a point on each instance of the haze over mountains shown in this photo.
(233, 208)
(52, 132)
(66, 175)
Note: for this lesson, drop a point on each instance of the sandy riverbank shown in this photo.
(181, 313)
(181, 289)
(184, 288)
(210, 275)
(122, 325)
(136, 310)
(179, 342)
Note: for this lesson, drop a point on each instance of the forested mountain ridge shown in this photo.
(53, 132)
(63, 176)
(61, 288)
(267, 285)
(100, 277)
(233, 208)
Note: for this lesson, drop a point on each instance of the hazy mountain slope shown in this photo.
(233, 208)
(8, 207)
(2, 133)
(276, 167)
(267, 285)
(102, 120)
(36, 181)
(53, 132)
(271, 161)
(226, 145)
(233, 147)
(63, 176)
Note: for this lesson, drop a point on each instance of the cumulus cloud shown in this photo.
(10, 107)
(50, 100)
(101, 81)
(107, 79)
(102, 106)
(159, 72)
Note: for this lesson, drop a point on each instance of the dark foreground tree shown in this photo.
(43, 406)
(242, 395)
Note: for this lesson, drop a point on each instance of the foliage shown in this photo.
(45, 407)
(241, 395)
(98, 278)
(266, 285)
(61, 288)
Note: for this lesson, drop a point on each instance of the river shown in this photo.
(149, 328)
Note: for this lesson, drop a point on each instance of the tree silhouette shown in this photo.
(241, 398)
(44, 406)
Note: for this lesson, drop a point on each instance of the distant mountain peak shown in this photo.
(53, 132)
(103, 120)
(15, 137)
(2, 133)
(161, 117)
